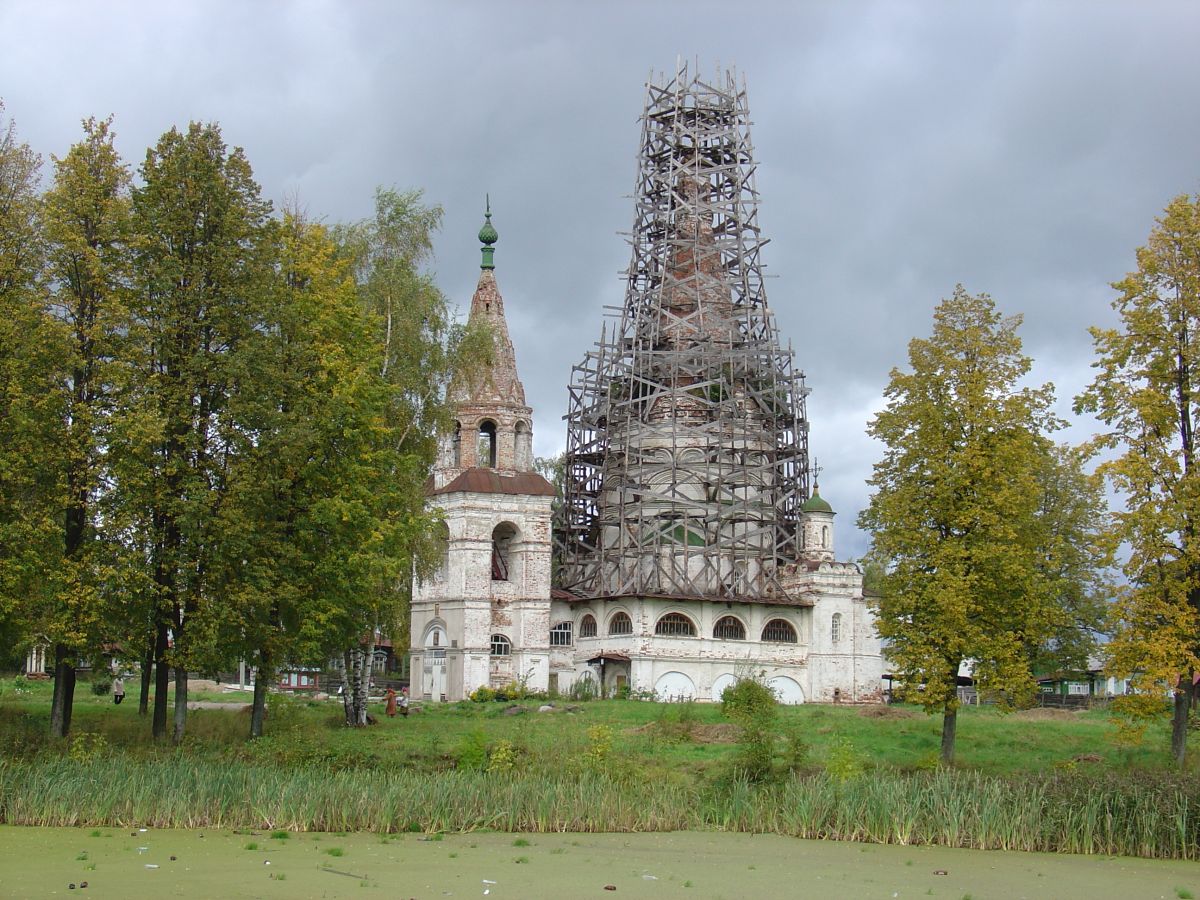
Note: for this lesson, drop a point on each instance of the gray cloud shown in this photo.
(1023, 149)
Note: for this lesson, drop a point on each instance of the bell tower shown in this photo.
(482, 620)
(493, 425)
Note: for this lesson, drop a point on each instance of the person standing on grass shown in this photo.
(404, 702)
(391, 703)
(118, 689)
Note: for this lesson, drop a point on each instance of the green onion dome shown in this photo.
(816, 503)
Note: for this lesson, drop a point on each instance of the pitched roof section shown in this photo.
(489, 481)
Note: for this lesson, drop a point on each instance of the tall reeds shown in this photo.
(1134, 815)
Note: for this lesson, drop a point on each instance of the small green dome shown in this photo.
(487, 237)
(487, 234)
(816, 503)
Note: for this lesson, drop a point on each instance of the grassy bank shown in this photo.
(1042, 780)
(688, 741)
(1063, 812)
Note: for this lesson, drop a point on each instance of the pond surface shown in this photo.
(132, 863)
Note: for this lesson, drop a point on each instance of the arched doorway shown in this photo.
(433, 675)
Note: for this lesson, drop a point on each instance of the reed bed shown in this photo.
(1130, 815)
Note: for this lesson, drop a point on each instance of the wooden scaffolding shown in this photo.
(687, 442)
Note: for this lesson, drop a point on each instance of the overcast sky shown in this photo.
(1023, 149)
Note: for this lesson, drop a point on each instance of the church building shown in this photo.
(688, 547)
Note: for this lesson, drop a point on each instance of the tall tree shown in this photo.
(302, 511)
(86, 222)
(954, 511)
(1071, 548)
(1146, 393)
(201, 268)
(419, 349)
(30, 406)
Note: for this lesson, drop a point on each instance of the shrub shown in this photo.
(87, 747)
(600, 743)
(101, 686)
(483, 694)
(844, 761)
(472, 751)
(798, 750)
(754, 759)
(503, 758)
(747, 699)
(753, 706)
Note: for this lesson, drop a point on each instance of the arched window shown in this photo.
(835, 630)
(620, 624)
(587, 626)
(485, 454)
(825, 537)
(501, 646)
(503, 536)
(560, 635)
(779, 631)
(729, 628)
(456, 445)
(675, 625)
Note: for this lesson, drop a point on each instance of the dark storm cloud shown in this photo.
(1022, 149)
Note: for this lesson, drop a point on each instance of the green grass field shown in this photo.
(1037, 781)
(672, 740)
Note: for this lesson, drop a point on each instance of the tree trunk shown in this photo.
(147, 674)
(264, 674)
(181, 690)
(63, 701)
(1179, 718)
(162, 679)
(349, 672)
(355, 681)
(364, 685)
(949, 727)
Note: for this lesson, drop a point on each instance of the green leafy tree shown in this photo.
(420, 349)
(302, 518)
(202, 270)
(1145, 391)
(954, 512)
(1074, 556)
(86, 224)
(30, 405)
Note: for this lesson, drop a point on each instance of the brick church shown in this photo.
(688, 547)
